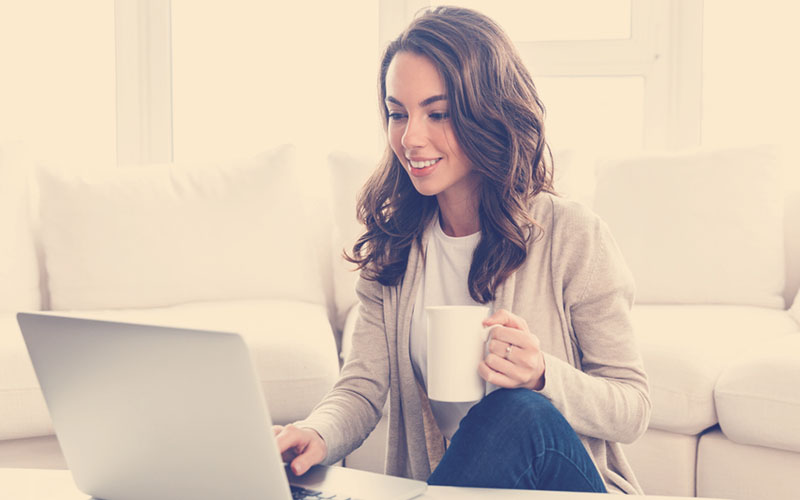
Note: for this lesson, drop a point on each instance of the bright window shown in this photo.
(615, 74)
(548, 20)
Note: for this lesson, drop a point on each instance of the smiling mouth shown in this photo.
(422, 164)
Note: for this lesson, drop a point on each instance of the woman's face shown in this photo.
(420, 132)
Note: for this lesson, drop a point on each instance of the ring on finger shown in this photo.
(508, 351)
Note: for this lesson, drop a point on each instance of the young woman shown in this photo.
(461, 211)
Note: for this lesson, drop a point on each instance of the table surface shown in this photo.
(48, 484)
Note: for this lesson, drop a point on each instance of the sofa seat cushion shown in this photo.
(348, 174)
(291, 342)
(664, 462)
(685, 348)
(741, 472)
(758, 396)
(23, 412)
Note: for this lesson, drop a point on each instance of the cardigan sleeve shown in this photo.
(608, 397)
(351, 410)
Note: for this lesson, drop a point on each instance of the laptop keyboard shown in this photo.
(299, 493)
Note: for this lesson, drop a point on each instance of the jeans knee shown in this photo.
(516, 438)
(521, 402)
(520, 408)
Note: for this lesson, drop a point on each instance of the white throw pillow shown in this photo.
(702, 226)
(19, 268)
(159, 235)
(574, 175)
(348, 175)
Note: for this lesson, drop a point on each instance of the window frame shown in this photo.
(143, 52)
(665, 49)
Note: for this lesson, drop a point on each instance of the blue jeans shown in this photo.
(515, 438)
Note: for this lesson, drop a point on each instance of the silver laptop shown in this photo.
(149, 412)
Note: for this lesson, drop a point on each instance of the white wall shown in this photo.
(259, 73)
(751, 73)
(253, 74)
(57, 79)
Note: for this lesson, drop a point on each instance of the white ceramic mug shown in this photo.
(456, 345)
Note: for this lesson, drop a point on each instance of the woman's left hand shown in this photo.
(514, 358)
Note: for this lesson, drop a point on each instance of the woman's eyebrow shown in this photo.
(393, 101)
(433, 99)
(425, 102)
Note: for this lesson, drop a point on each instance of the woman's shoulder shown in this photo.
(580, 243)
(560, 217)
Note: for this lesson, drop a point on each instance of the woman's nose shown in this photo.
(414, 135)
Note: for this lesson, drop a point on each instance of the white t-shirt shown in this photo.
(444, 283)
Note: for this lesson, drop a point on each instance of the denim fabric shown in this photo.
(516, 438)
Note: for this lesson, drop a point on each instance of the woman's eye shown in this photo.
(439, 116)
(396, 116)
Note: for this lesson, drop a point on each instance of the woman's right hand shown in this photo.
(300, 447)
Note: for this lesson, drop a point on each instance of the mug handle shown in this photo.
(484, 334)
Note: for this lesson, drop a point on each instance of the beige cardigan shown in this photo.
(575, 292)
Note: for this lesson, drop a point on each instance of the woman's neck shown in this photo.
(459, 218)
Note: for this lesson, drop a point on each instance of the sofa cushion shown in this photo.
(23, 412)
(795, 309)
(740, 472)
(574, 174)
(698, 227)
(685, 348)
(348, 174)
(758, 396)
(664, 462)
(791, 225)
(19, 268)
(159, 235)
(291, 342)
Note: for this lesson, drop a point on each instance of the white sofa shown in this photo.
(713, 239)
(237, 247)
(713, 242)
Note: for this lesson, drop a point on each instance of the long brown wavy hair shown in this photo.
(497, 119)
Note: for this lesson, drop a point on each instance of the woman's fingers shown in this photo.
(495, 377)
(511, 374)
(513, 371)
(506, 318)
(502, 348)
(514, 357)
(310, 458)
(302, 448)
(520, 338)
